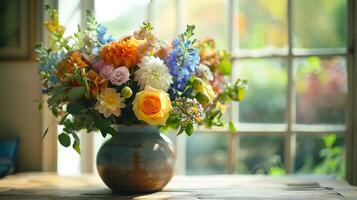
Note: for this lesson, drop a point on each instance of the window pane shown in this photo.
(123, 17)
(320, 23)
(320, 154)
(261, 24)
(209, 18)
(207, 153)
(260, 154)
(164, 18)
(266, 97)
(321, 88)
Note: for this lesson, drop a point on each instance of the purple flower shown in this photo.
(106, 71)
(98, 65)
(119, 76)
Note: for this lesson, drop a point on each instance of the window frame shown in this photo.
(289, 130)
(351, 136)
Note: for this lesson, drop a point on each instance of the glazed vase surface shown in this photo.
(138, 159)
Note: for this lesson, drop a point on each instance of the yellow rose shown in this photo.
(152, 106)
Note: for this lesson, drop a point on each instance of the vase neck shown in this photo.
(122, 129)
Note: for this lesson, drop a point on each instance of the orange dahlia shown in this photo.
(96, 83)
(121, 53)
(66, 67)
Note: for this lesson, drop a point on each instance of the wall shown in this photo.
(19, 99)
(19, 114)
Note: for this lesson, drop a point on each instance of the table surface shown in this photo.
(51, 186)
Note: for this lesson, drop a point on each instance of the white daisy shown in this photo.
(153, 72)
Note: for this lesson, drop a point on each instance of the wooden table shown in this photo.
(50, 186)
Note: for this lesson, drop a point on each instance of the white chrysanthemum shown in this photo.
(153, 72)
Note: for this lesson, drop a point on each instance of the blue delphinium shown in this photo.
(183, 59)
(101, 31)
(47, 65)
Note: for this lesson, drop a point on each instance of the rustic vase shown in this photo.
(137, 160)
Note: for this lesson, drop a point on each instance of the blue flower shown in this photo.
(183, 59)
(49, 61)
(101, 31)
(53, 80)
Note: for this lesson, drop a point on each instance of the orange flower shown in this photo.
(96, 83)
(121, 53)
(66, 66)
(208, 52)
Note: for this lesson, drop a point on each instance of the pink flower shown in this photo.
(218, 83)
(106, 70)
(119, 76)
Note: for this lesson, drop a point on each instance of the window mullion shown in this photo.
(351, 136)
(181, 143)
(233, 143)
(290, 137)
(150, 10)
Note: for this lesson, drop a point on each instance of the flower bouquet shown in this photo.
(95, 82)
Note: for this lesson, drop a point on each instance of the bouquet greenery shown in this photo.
(95, 82)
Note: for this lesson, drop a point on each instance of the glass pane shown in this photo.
(321, 88)
(121, 18)
(164, 18)
(69, 15)
(68, 160)
(207, 154)
(209, 18)
(320, 23)
(261, 24)
(260, 154)
(266, 97)
(320, 155)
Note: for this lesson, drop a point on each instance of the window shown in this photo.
(293, 52)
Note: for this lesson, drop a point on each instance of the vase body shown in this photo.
(136, 160)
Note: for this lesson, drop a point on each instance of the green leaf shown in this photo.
(276, 171)
(232, 128)
(182, 129)
(40, 106)
(76, 93)
(57, 97)
(63, 119)
(45, 133)
(329, 140)
(64, 139)
(104, 126)
(76, 147)
(189, 129)
(103, 123)
(241, 94)
(54, 100)
(75, 108)
(226, 66)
